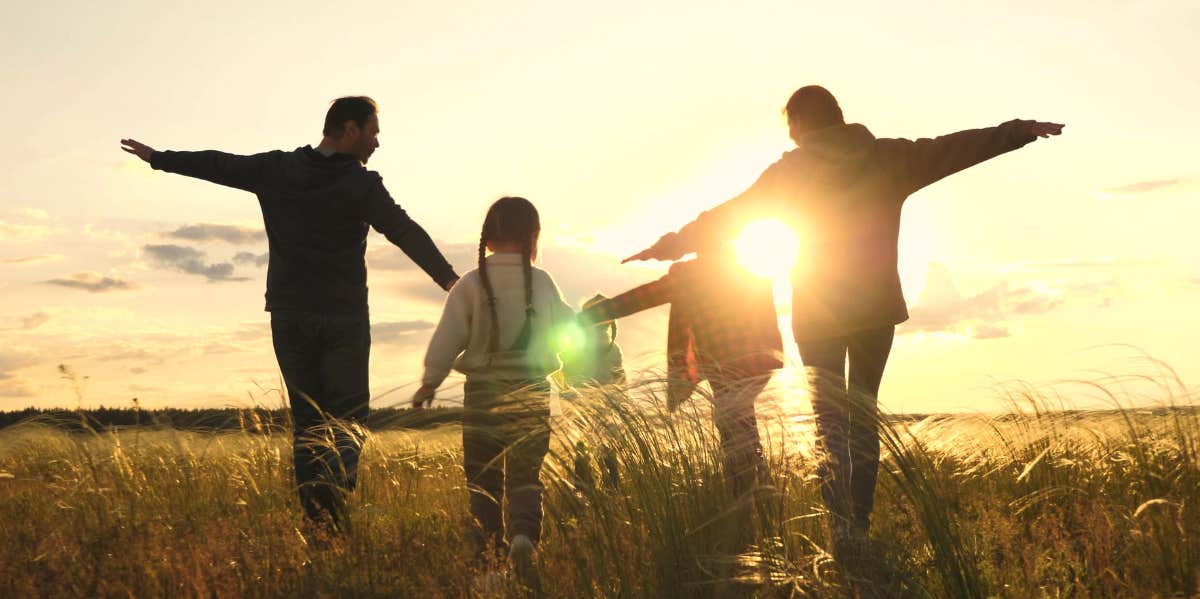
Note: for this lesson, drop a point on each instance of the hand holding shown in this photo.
(137, 148)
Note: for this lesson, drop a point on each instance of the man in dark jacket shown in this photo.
(318, 204)
(842, 189)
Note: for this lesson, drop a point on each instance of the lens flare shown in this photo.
(767, 248)
(569, 337)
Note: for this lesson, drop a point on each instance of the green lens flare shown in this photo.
(570, 337)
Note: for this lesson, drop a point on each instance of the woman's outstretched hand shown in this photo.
(668, 247)
(423, 397)
(1043, 130)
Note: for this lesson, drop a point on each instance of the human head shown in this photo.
(511, 224)
(812, 107)
(352, 126)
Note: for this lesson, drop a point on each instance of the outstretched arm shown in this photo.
(925, 161)
(722, 221)
(248, 173)
(644, 297)
(390, 219)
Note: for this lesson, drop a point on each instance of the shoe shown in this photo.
(520, 553)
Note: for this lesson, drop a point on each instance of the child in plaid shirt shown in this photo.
(723, 328)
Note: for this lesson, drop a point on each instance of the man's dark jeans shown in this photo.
(847, 415)
(324, 359)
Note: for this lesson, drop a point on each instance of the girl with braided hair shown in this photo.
(497, 329)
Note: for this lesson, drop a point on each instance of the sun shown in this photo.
(767, 248)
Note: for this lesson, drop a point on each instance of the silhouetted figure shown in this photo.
(317, 205)
(722, 328)
(842, 188)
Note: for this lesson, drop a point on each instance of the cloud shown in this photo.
(32, 213)
(15, 386)
(34, 320)
(19, 232)
(1084, 263)
(210, 232)
(1144, 186)
(405, 332)
(942, 308)
(147, 389)
(258, 260)
(987, 331)
(12, 384)
(28, 322)
(130, 354)
(31, 259)
(92, 283)
(190, 261)
(385, 256)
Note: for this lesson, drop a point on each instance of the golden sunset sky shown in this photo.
(620, 121)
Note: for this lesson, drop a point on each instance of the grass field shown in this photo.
(1033, 503)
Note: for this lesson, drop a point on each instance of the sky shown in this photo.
(1070, 259)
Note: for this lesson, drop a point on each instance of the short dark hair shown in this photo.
(813, 107)
(350, 108)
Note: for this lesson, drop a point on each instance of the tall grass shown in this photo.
(1037, 502)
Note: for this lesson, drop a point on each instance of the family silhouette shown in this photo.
(841, 188)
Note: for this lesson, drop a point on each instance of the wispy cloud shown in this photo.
(92, 282)
(942, 308)
(228, 233)
(29, 260)
(258, 260)
(34, 320)
(404, 332)
(21, 232)
(1144, 186)
(15, 386)
(385, 256)
(12, 384)
(190, 261)
(989, 331)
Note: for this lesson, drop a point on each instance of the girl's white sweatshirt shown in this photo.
(461, 338)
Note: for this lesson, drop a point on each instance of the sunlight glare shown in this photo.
(767, 248)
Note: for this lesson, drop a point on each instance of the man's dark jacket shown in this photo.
(317, 210)
(842, 189)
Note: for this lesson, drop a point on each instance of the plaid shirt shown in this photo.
(722, 323)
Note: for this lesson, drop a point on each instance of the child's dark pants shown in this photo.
(741, 451)
(506, 435)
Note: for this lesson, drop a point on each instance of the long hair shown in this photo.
(510, 220)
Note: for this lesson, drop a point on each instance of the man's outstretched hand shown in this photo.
(668, 247)
(137, 148)
(423, 397)
(1041, 129)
